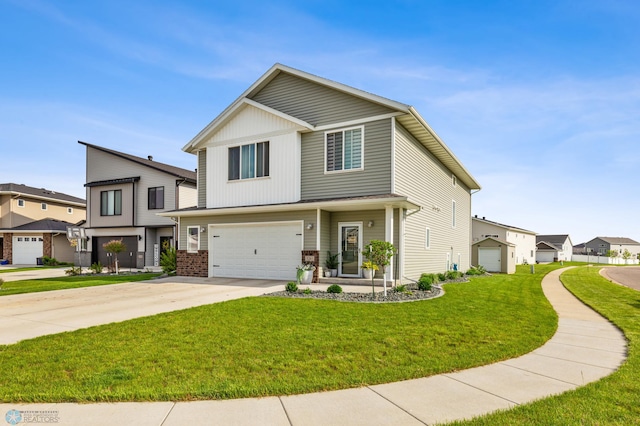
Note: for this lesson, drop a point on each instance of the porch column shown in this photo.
(388, 236)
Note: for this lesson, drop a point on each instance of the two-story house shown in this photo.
(33, 223)
(299, 166)
(124, 195)
(602, 245)
(522, 241)
(553, 248)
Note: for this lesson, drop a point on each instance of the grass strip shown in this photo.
(63, 283)
(614, 400)
(264, 346)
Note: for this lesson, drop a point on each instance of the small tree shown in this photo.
(612, 253)
(626, 254)
(380, 253)
(168, 260)
(115, 247)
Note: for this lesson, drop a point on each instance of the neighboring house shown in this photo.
(124, 195)
(602, 245)
(33, 223)
(523, 240)
(553, 248)
(300, 165)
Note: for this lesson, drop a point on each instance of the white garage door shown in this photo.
(489, 257)
(269, 251)
(545, 256)
(26, 250)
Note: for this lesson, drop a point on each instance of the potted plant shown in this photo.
(368, 269)
(304, 273)
(332, 263)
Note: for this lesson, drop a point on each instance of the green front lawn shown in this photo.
(272, 346)
(614, 400)
(62, 283)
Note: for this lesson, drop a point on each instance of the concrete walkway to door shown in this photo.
(585, 348)
(25, 316)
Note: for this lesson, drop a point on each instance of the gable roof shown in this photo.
(405, 114)
(40, 193)
(544, 245)
(555, 240)
(502, 225)
(179, 172)
(617, 240)
(43, 225)
(498, 240)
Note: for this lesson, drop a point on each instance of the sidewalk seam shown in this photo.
(168, 413)
(286, 413)
(481, 390)
(396, 405)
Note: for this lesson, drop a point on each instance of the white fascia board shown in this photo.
(16, 195)
(330, 205)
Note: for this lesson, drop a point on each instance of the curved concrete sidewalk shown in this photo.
(585, 348)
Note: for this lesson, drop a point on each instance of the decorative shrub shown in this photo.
(49, 261)
(453, 275)
(291, 286)
(334, 288)
(73, 271)
(426, 281)
(442, 276)
(96, 267)
(476, 270)
(168, 260)
(401, 288)
(307, 290)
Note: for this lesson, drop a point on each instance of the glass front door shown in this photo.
(350, 249)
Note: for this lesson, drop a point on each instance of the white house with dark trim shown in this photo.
(553, 248)
(299, 166)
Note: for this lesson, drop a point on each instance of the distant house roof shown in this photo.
(543, 245)
(617, 240)
(46, 226)
(502, 225)
(40, 193)
(189, 175)
(553, 240)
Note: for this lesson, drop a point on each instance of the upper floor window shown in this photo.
(454, 180)
(111, 203)
(156, 198)
(70, 210)
(21, 203)
(43, 206)
(344, 150)
(249, 161)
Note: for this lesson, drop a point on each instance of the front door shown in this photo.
(350, 249)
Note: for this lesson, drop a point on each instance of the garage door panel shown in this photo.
(489, 258)
(26, 250)
(256, 251)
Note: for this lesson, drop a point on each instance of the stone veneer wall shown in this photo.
(192, 264)
(47, 243)
(7, 247)
(306, 255)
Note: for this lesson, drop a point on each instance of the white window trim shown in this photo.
(197, 228)
(44, 206)
(70, 210)
(240, 145)
(21, 202)
(345, 129)
(427, 238)
(454, 180)
(453, 214)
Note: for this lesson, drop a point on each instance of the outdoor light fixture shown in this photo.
(309, 226)
(370, 224)
(202, 229)
(139, 237)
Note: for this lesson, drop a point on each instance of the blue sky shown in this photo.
(540, 100)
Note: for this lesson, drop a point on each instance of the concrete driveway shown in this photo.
(24, 316)
(33, 274)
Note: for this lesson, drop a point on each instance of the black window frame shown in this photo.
(258, 166)
(155, 198)
(117, 203)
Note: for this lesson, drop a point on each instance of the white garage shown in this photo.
(489, 257)
(26, 249)
(255, 250)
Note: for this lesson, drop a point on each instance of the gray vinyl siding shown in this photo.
(309, 216)
(373, 180)
(314, 103)
(104, 166)
(202, 178)
(419, 175)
